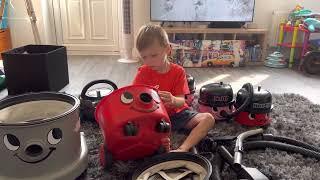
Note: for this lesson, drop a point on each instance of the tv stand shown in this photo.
(226, 24)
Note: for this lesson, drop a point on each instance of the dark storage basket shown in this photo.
(35, 68)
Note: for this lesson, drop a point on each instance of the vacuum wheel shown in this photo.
(105, 157)
(175, 165)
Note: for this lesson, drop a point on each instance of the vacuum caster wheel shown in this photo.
(163, 127)
(105, 157)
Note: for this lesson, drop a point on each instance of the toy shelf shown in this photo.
(236, 33)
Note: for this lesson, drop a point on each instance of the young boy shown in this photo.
(153, 46)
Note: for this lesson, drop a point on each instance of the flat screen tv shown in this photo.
(202, 10)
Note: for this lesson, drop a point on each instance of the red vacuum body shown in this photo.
(251, 107)
(133, 121)
(216, 97)
(256, 113)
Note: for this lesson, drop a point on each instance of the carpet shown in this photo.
(293, 116)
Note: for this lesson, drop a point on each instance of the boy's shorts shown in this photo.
(180, 119)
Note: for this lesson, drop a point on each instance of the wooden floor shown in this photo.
(83, 69)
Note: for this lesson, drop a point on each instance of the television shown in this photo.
(202, 10)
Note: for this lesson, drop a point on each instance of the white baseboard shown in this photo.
(92, 53)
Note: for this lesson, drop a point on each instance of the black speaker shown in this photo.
(226, 24)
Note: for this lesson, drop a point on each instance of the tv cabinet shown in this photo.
(236, 34)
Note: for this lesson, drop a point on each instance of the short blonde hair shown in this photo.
(148, 34)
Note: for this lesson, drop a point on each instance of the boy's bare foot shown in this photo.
(179, 150)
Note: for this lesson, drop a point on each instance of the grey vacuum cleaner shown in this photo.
(40, 137)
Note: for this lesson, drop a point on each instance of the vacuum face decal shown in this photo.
(33, 150)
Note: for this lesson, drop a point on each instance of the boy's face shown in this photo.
(155, 56)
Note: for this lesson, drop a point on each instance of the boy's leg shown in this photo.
(199, 125)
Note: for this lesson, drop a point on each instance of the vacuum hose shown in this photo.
(270, 137)
(239, 144)
(248, 90)
(252, 145)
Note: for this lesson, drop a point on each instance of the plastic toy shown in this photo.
(133, 120)
(294, 40)
(312, 24)
(4, 14)
(284, 28)
(91, 95)
(276, 60)
(216, 97)
(299, 13)
(41, 138)
(311, 63)
(252, 107)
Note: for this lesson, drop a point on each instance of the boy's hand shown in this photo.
(167, 98)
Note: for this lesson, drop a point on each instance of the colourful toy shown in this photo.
(311, 62)
(276, 60)
(133, 120)
(299, 13)
(294, 30)
(4, 14)
(293, 45)
(312, 24)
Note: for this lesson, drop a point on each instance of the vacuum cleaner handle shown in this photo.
(92, 83)
(248, 88)
(239, 144)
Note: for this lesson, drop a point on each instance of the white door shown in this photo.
(88, 26)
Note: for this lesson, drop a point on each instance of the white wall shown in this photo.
(20, 26)
(22, 33)
(262, 16)
(263, 10)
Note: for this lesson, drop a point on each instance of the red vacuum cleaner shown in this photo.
(133, 120)
(252, 106)
(216, 97)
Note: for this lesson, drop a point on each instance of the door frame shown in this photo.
(56, 25)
